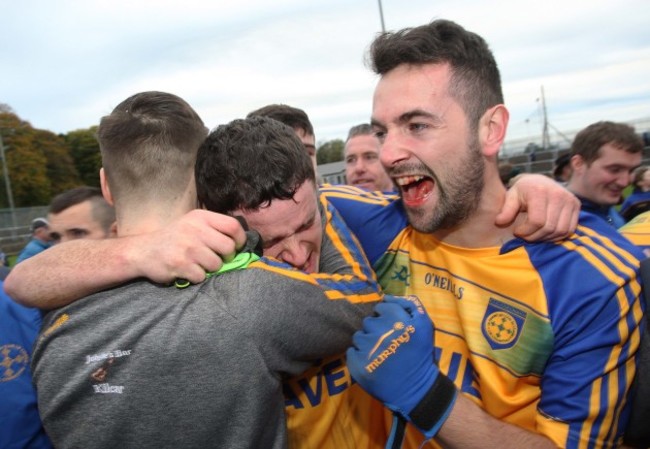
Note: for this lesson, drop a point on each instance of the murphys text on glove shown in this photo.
(392, 358)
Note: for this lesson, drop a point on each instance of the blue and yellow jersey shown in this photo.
(345, 271)
(542, 335)
(324, 409)
(637, 230)
(374, 217)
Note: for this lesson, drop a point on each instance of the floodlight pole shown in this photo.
(545, 137)
(10, 195)
(381, 16)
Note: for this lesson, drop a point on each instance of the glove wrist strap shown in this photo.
(432, 411)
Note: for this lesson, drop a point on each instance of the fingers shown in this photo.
(218, 233)
(363, 340)
(227, 226)
(552, 211)
(509, 210)
(197, 243)
(554, 220)
(212, 242)
(409, 303)
(393, 312)
(387, 314)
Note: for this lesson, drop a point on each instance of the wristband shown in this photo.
(434, 408)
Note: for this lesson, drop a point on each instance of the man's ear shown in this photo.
(106, 191)
(492, 129)
(577, 163)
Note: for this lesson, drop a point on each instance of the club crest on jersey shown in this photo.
(401, 275)
(13, 361)
(502, 324)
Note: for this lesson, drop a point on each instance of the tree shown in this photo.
(330, 151)
(84, 150)
(27, 167)
(25, 164)
(60, 167)
(38, 162)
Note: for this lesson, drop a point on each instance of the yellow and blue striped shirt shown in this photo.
(540, 335)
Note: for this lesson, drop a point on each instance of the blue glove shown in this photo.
(392, 358)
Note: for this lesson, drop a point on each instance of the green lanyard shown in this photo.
(241, 260)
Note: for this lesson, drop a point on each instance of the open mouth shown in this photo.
(415, 189)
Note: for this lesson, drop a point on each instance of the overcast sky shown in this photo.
(65, 63)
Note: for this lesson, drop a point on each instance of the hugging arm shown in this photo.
(392, 358)
(551, 210)
(187, 248)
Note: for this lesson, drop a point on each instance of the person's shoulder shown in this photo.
(641, 223)
(591, 220)
(11, 310)
(263, 274)
(271, 268)
(16, 318)
(594, 239)
(596, 236)
(259, 291)
(356, 193)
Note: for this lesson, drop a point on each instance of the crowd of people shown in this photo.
(424, 304)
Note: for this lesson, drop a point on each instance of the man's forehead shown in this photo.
(281, 211)
(277, 223)
(420, 87)
(79, 212)
(610, 153)
(363, 142)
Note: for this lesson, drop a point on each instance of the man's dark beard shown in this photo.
(458, 198)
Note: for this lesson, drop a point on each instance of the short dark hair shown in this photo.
(561, 162)
(292, 117)
(102, 212)
(475, 79)
(248, 163)
(588, 142)
(73, 197)
(364, 129)
(149, 144)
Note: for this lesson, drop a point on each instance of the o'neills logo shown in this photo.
(393, 345)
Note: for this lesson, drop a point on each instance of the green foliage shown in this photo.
(330, 151)
(84, 150)
(41, 164)
(24, 163)
(28, 170)
(60, 167)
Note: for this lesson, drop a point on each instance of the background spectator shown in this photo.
(603, 156)
(81, 213)
(40, 241)
(562, 170)
(639, 200)
(362, 166)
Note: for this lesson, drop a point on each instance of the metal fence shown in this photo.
(14, 227)
(561, 141)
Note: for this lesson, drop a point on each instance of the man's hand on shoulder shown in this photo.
(552, 210)
(189, 247)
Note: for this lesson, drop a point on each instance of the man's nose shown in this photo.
(294, 253)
